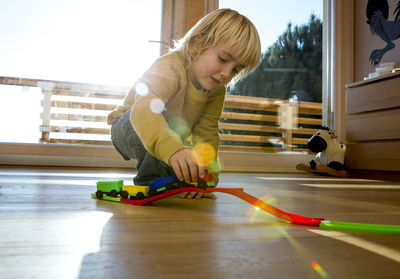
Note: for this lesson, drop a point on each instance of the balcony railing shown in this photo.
(75, 113)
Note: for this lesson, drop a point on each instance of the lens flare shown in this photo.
(274, 231)
(319, 269)
(179, 125)
(216, 166)
(255, 211)
(157, 105)
(268, 198)
(206, 152)
(141, 89)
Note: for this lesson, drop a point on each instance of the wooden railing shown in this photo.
(75, 113)
(267, 125)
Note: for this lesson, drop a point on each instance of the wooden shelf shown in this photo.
(373, 124)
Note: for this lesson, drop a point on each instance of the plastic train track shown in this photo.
(283, 215)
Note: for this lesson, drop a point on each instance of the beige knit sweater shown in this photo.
(187, 110)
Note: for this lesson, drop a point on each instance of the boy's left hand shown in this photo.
(187, 165)
(197, 195)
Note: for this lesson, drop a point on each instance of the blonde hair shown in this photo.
(224, 26)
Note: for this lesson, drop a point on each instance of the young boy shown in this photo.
(169, 118)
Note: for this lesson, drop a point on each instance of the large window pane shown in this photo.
(75, 41)
(288, 78)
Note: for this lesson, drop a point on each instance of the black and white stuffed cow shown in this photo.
(330, 152)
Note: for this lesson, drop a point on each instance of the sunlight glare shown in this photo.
(82, 235)
(34, 181)
(353, 186)
(27, 100)
(317, 178)
(69, 174)
(84, 232)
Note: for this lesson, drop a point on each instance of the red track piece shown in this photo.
(149, 200)
(238, 192)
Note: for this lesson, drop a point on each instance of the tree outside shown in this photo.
(290, 68)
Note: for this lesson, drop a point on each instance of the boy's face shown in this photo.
(216, 66)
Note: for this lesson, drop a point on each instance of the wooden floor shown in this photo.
(51, 228)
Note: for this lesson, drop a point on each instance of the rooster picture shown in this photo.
(389, 31)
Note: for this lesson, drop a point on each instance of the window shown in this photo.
(289, 75)
(93, 83)
(78, 42)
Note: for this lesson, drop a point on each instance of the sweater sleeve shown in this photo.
(163, 80)
(206, 130)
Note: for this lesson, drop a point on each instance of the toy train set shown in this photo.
(145, 194)
(168, 186)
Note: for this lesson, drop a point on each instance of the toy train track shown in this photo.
(286, 216)
(238, 192)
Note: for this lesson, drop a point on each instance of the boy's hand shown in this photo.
(188, 165)
(197, 195)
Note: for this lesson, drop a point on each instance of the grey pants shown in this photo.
(129, 145)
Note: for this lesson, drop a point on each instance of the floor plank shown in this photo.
(51, 228)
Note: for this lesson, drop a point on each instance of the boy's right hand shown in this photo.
(188, 165)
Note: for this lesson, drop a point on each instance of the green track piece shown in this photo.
(107, 198)
(333, 225)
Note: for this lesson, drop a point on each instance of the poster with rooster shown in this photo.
(383, 18)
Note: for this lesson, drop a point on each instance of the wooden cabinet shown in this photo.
(373, 124)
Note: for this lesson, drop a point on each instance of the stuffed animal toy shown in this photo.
(330, 153)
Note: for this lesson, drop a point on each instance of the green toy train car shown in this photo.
(116, 189)
(109, 188)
